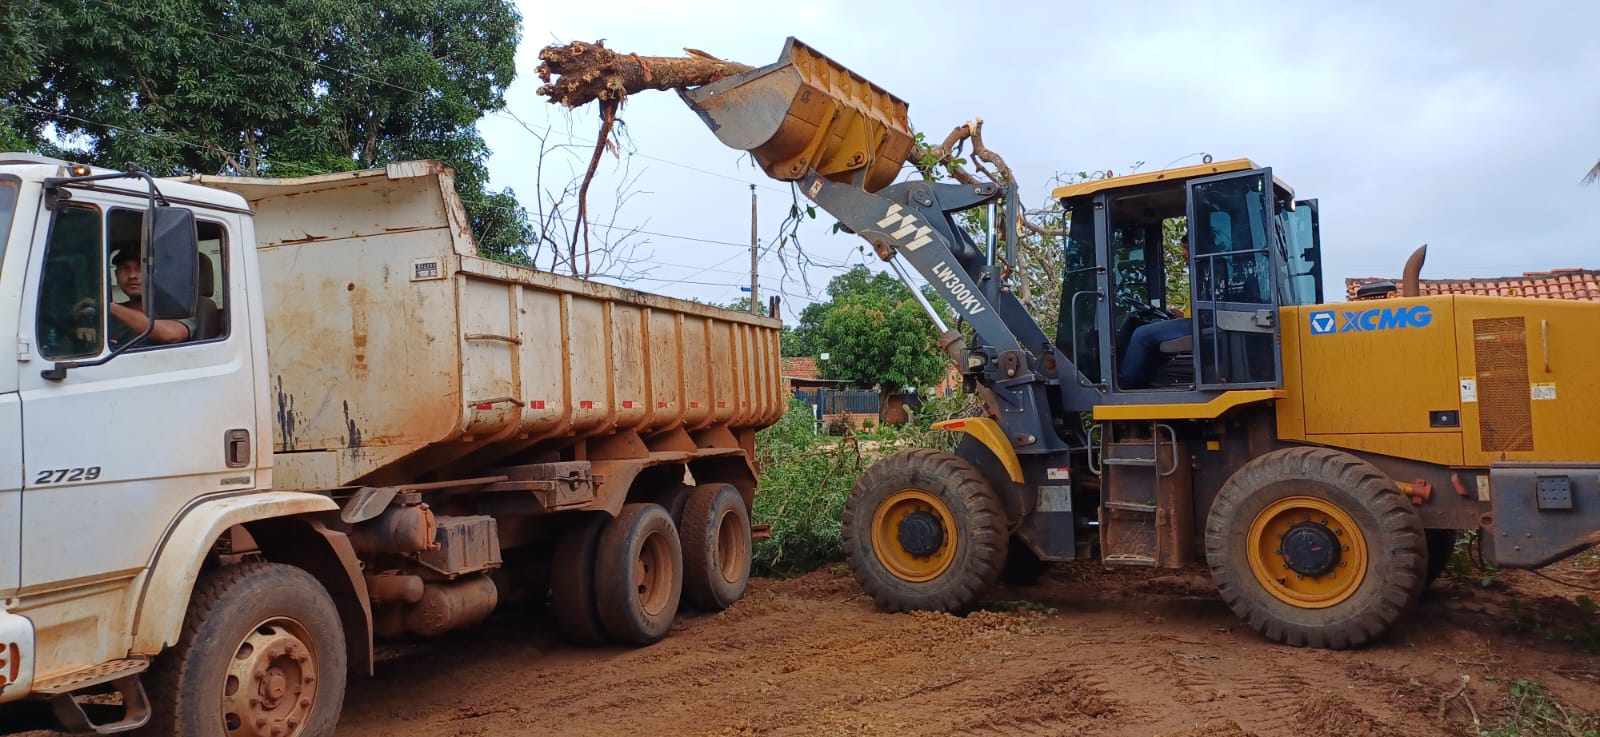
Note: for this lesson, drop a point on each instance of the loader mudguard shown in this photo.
(988, 432)
(170, 577)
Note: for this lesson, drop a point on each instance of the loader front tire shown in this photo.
(262, 653)
(924, 531)
(1314, 547)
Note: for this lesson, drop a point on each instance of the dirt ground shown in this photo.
(1088, 651)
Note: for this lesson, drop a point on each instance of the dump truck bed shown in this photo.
(396, 355)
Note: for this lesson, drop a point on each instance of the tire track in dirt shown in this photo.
(1088, 652)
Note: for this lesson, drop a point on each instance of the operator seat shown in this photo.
(207, 316)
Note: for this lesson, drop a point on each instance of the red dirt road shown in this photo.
(1086, 652)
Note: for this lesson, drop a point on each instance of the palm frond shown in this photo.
(1593, 175)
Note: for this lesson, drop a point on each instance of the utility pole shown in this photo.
(755, 304)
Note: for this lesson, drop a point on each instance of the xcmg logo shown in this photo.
(1325, 322)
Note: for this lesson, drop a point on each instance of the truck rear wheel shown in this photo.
(572, 580)
(716, 547)
(262, 654)
(1314, 547)
(923, 530)
(639, 574)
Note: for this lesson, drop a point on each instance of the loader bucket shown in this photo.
(808, 112)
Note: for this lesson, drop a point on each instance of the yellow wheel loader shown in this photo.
(1318, 458)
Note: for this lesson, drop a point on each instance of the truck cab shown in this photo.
(107, 436)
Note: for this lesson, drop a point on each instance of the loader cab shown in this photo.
(1173, 279)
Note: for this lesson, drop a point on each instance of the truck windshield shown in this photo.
(8, 207)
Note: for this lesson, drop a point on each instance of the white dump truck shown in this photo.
(248, 426)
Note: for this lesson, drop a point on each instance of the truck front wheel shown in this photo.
(262, 654)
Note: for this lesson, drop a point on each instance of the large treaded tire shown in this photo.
(1395, 547)
(639, 574)
(976, 527)
(715, 528)
(229, 606)
(572, 580)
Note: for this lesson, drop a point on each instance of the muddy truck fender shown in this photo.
(286, 527)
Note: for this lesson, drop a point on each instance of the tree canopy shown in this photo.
(266, 88)
(874, 333)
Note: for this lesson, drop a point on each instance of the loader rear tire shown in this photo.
(262, 653)
(1314, 547)
(639, 574)
(572, 580)
(716, 547)
(924, 531)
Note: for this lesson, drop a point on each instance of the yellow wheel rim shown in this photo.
(920, 519)
(1308, 522)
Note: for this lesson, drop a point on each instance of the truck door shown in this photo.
(115, 452)
(12, 251)
(1233, 263)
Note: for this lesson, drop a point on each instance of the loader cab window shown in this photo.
(1076, 334)
(1300, 251)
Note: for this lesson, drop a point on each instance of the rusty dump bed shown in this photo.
(396, 356)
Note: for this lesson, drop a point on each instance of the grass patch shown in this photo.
(1535, 713)
(806, 478)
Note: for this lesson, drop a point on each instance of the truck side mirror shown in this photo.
(173, 282)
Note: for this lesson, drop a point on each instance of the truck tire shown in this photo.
(716, 547)
(639, 574)
(924, 531)
(262, 649)
(572, 580)
(1314, 547)
(674, 498)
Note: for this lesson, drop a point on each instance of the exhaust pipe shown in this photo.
(1411, 281)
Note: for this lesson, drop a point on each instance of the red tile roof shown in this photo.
(1579, 284)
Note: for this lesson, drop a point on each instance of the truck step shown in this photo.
(99, 718)
(93, 676)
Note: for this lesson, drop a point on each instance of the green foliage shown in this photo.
(1535, 713)
(806, 477)
(874, 332)
(266, 88)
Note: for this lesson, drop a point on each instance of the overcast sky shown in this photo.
(1466, 126)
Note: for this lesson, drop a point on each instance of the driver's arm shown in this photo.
(165, 331)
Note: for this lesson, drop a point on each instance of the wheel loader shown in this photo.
(1318, 458)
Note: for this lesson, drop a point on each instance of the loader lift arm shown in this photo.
(1013, 359)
